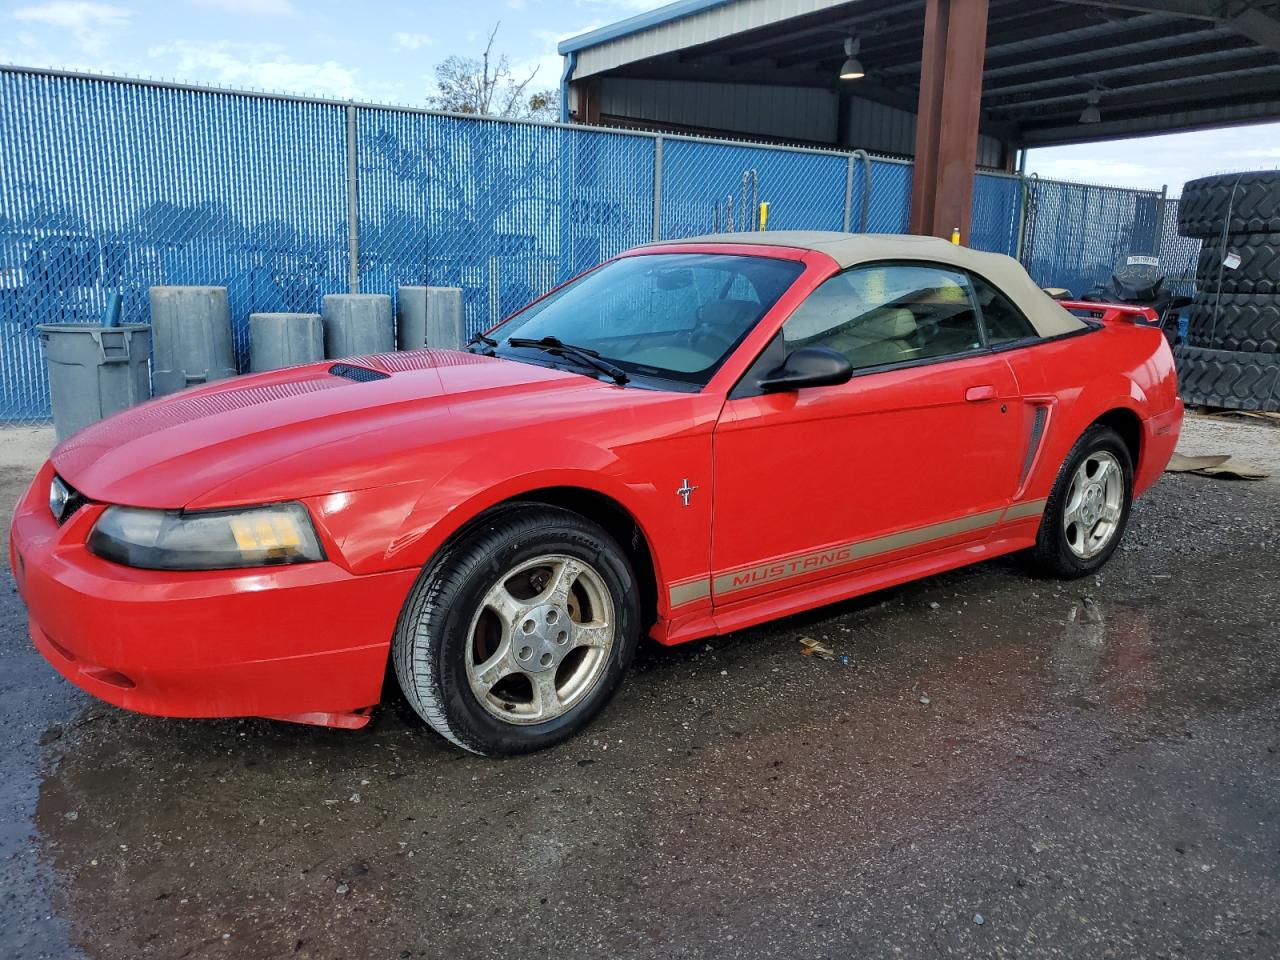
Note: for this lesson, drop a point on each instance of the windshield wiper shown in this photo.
(481, 339)
(583, 355)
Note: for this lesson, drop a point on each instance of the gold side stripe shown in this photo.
(843, 554)
(849, 552)
(1028, 508)
(688, 592)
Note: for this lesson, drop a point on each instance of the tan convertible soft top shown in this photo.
(850, 249)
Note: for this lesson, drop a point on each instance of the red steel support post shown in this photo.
(955, 43)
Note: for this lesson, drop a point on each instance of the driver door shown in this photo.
(916, 453)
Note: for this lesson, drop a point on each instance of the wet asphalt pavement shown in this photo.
(1007, 767)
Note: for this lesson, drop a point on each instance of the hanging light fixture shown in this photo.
(1091, 114)
(852, 69)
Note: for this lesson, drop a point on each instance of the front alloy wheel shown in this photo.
(540, 640)
(519, 631)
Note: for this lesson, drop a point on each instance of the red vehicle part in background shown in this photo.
(1112, 312)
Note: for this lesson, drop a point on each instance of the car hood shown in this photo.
(308, 430)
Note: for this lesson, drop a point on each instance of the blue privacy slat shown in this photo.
(503, 210)
(115, 185)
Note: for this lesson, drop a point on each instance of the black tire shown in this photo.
(1052, 556)
(1259, 270)
(432, 637)
(1229, 379)
(1244, 202)
(1243, 323)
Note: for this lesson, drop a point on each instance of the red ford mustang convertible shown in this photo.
(692, 438)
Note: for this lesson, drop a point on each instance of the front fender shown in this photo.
(401, 526)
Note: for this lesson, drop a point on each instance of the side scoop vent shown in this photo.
(1033, 442)
(358, 374)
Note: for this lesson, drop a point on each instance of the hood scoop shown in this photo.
(358, 374)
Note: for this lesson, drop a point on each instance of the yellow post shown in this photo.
(764, 214)
(955, 236)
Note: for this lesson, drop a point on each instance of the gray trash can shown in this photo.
(429, 317)
(283, 339)
(192, 334)
(94, 371)
(358, 323)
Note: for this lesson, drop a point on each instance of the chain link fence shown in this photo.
(1074, 234)
(503, 210)
(708, 187)
(111, 185)
(1178, 254)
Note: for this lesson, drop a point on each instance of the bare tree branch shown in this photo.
(486, 86)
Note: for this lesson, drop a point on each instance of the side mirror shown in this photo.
(808, 367)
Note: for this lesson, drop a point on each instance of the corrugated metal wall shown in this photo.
(878, 128)
(790, 113)
(799, 114)
(686, 31)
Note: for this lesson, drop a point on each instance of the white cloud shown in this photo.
(1098, 170)
(261, 65)
(550, 38)
(90, 23)
(260, 8)
(1147, 163)
(547, 62)
(73, 15)
(1255, 153)
(547, 67)
(413, 41)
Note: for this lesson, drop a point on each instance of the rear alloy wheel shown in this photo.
(519, 631)
(1088, 509)
(1095, 501)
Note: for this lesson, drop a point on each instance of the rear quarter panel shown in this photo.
(1119, 366)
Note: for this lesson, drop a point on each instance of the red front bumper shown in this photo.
(306, 642)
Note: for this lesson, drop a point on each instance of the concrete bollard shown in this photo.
(358, 323)
(283, 339)
(190, 336)
(430, 317)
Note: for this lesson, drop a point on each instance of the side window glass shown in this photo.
(888, 313)
(1005, 323)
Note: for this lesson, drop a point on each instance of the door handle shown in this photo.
(984, 392)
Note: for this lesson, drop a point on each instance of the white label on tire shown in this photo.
(1231, 261)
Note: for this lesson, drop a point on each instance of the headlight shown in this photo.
(206, 540)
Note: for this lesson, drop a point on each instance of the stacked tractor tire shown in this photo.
(1231, 357)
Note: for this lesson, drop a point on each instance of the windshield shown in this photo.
(671, 316)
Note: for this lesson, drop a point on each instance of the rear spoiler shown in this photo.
(1113, 313)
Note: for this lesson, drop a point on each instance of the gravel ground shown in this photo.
(1253, 442)
(1007, 767)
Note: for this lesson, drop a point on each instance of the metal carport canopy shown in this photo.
(1160, 65)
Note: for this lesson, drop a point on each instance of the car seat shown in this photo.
(883, 337)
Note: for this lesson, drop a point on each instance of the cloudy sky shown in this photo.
(384, 50)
